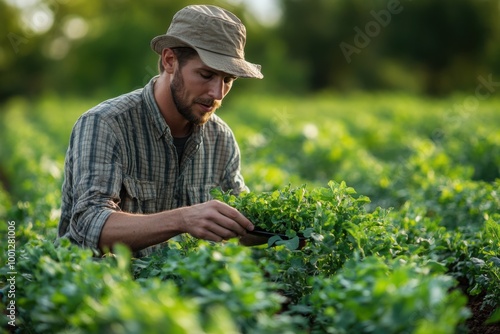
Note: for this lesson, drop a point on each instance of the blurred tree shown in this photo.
(423, 45)
(439, 35)
(85, 47)
(20, 68)
(311, 31)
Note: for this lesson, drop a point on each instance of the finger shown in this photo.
(236, 216)
(209, 236)
(222, 232)
(228, 224)
(211, 231)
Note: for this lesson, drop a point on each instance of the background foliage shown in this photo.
(396, 101)
(422, 256)
(424, 46)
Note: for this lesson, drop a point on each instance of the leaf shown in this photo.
(291, 244)
(273, 240)
(123, 256)
(495, 317)
(495, 260)
(477, 262)
(317, 237)
(308, 232)
(363, 199)
(301, 308)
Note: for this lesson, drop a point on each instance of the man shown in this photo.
(140, 167)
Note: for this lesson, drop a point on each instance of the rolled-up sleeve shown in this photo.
(93, 178)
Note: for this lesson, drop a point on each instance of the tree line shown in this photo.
(424, 46)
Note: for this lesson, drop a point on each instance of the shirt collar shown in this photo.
(156, 116)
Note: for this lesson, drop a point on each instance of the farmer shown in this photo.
(139, 167)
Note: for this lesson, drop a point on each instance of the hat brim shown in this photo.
(227, 64)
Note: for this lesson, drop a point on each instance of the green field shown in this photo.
(421, 256)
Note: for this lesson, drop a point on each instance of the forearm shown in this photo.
(139, 231)
(212, 220)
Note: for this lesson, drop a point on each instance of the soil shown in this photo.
(476, 323)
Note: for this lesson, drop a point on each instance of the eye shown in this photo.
(229, 80)
(206, 75)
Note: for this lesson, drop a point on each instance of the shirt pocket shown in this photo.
(200, 193)
(138, 196)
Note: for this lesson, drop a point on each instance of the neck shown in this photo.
(179, 126)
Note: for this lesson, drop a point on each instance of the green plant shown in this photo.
(377, 296)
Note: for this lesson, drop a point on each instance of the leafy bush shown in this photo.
(387, 260)
(371, 296)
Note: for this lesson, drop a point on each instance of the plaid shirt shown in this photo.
(121, 157)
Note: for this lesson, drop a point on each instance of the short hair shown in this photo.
(183, 54)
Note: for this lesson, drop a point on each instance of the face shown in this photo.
(198, 90)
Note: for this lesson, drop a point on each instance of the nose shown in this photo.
(217, 89)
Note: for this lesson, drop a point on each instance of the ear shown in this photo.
(168, 60)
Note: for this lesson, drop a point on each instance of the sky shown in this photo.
(267, 12)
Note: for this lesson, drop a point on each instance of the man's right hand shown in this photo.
(214, 221)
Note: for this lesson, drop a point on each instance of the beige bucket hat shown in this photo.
(216, 34)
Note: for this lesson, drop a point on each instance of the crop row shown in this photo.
(419, 239)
